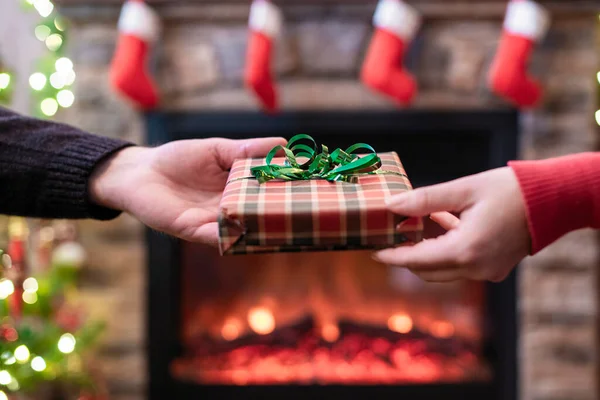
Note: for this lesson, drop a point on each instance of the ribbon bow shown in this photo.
(339, 165)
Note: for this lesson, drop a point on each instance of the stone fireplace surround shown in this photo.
(198, 65)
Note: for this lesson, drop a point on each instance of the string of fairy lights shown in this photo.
(54, 76)
(43, 337)
(22, 355)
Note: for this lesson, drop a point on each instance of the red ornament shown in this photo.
(68, 319)
(8, 333)
(16, 269)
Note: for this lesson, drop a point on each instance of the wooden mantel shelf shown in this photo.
(213, 11)
(573, 5)
(552, 3)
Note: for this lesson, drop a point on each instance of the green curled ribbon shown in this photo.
(339, 165)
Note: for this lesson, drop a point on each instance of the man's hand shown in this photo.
(486, 243)
(174, 188)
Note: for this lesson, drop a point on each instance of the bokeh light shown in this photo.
(43, 7)
(66, 343)
(22, 353)
(4, 80)
(30, 285)
(57, 80)
(54, 41)
(261, 320)
(37, 81)
(65, 98)
(38, 364)
(70, 77)
(6, 288)
(400, 323)
(63, 64)
(42, 32)
(30, 297)
(5, 378)
(59, 24)
(49, 107)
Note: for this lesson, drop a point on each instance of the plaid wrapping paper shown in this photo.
(312, 215)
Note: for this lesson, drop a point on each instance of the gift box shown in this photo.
(315, 210)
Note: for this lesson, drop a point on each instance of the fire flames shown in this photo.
(261, 320)
(400, 323)
(331, 354)
(231, 329)
(327, 319)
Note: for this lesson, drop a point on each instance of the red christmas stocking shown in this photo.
(139, 27)
(526, 22)
(265, 25)
(395, 26)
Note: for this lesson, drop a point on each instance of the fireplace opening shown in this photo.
(330, 318)
(262, 326)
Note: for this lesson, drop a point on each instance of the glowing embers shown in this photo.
(400, 323)
(261, 320)
(330, 332)
(347, 353)
(231, 329)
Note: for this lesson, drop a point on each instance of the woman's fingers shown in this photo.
(445, 220)
(441, 252)
(439, 275)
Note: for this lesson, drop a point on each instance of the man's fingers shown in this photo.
(450, 196)
(429, 254)
(445, 220)
(227, 151)
(260, 147)
(207, 234)
(440, 275)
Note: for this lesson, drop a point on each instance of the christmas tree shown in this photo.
(45, 340)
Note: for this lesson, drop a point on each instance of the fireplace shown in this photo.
(332, 324)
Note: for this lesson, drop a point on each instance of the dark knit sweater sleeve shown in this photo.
(45, 168)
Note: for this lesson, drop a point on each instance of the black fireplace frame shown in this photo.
(163, 252)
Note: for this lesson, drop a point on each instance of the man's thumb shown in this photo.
(451, 196)
(227, 151)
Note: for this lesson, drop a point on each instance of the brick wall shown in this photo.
(199, 64)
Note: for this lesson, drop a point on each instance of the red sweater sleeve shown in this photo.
(561, 195)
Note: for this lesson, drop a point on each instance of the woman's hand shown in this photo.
(486, 243)
(174, 188)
